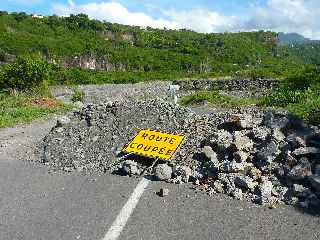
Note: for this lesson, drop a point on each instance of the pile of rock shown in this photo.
(246, 153)
(92, 138)
(270, 161)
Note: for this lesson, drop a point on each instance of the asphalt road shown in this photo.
(35, 204)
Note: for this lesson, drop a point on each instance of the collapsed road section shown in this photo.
(266, 157)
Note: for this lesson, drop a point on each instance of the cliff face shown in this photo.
(93, 63)
(83, 62)
(103, 64)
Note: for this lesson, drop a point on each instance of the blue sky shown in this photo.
(299, 16)
(45, 6)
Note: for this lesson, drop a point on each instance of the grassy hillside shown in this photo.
(150, 52)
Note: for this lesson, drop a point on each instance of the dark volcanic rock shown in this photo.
(300, 171)
(315, 182)
(275, 120)
(267, 154)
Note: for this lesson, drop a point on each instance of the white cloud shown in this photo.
(113, 12)
(278, 15)
(197, 19)
(286, 15)
(202, 20)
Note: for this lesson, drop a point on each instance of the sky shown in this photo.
(300, 16)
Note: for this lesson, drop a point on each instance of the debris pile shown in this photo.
(266, 157)
(270, 161)
(92, 138)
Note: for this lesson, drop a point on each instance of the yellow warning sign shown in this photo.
(155, 144)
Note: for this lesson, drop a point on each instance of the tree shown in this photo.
(25, 73)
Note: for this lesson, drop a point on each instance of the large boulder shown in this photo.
(278, 135)
(315, 182)
(275, 120)
(241, 142)
(281, 120)
(300, 190)
(267, 154)
(301, 171)
(313, 140)
(210, 154)
(130, 167)
(317, 170)
(312, 201)
(163, 172)
(295, 141)
(245, 182)
(221, 140)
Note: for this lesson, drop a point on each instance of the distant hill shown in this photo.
(292, 38)
(304, 48)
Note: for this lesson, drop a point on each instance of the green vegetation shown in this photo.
(24, 95)
(299, 94)
(75, 76)
(214, 97)
(132, 54)
(78, 95)
(22, 108)
(308, 52)
(25, 73)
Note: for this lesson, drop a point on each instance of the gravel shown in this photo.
(119, 92)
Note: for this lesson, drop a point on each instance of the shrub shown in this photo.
(314, 117)
(2, 55)
(25, 73)
(300, 94)
(282, 97)
(308, 77)
(78, 96)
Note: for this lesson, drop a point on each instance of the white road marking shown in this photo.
(122, 218)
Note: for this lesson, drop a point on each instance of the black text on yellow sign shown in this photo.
(155, 144)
